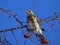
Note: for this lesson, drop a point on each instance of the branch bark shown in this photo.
(9, 29)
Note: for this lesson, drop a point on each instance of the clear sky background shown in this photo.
(44, 8)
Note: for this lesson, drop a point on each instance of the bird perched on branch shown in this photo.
(33, 24)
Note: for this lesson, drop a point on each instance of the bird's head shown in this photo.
(29, 12)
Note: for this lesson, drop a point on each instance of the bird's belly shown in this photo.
(37, 26)
(31, 27)
(34, 25)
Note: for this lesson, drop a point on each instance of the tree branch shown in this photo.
(11, 14)
(9, 29)
(51, 18)
(43, 20)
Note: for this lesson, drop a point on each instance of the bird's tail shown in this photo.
(43, 40)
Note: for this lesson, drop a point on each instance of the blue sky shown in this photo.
(44, 8)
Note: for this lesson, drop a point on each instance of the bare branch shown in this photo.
(11, 14)
(51, 18)
(14, 37)
(9, 29)
(43, 20)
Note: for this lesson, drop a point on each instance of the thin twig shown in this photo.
(9, 29)
(50, 18)
(14, 37)
(43, 20)
(11, 14)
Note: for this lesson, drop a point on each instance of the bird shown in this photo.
(33, 25)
